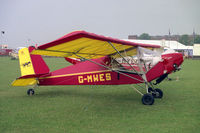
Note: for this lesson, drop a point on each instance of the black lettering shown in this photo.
(26, 64)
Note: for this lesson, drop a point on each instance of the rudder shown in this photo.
(31, 64)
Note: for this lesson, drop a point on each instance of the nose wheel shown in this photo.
(157, 93)
(30, 92)
(148, 98)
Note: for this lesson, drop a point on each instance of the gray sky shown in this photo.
(27, 22)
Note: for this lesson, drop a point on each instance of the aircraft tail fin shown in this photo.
(31, 66)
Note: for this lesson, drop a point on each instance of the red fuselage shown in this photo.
(89, 73)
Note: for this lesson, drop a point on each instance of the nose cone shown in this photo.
(172, 61)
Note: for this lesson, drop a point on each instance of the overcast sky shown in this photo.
(27, 22)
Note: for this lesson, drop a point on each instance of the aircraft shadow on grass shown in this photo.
(132, 97)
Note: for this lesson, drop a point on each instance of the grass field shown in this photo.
(99, 109)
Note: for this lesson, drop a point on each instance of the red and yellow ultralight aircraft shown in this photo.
(98, 60)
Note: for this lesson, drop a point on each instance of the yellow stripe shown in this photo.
(65, 75)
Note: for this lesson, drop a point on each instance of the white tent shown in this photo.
(166, 44)
(196, 51)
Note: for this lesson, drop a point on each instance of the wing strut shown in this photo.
(123, 57)
(110, 69)
(126, 61)
(143, 75)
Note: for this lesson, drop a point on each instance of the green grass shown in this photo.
(99, 109)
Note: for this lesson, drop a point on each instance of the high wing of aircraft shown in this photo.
(98, 60)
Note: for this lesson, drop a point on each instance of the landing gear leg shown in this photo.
(147, 99)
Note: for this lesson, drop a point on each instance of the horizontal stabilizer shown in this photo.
(24, 82)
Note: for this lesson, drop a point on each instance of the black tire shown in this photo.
(157, 93)
(147, 99)
(150, 89)
(30, 92)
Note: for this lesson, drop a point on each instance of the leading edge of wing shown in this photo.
(79, 34)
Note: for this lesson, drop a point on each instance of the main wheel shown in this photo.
(30, 92)
(147, 99)
(157, 93)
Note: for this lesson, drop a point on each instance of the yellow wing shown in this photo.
(87, 45)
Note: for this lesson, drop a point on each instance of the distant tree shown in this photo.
(197, 39)
(144, 36)
(185, 39)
